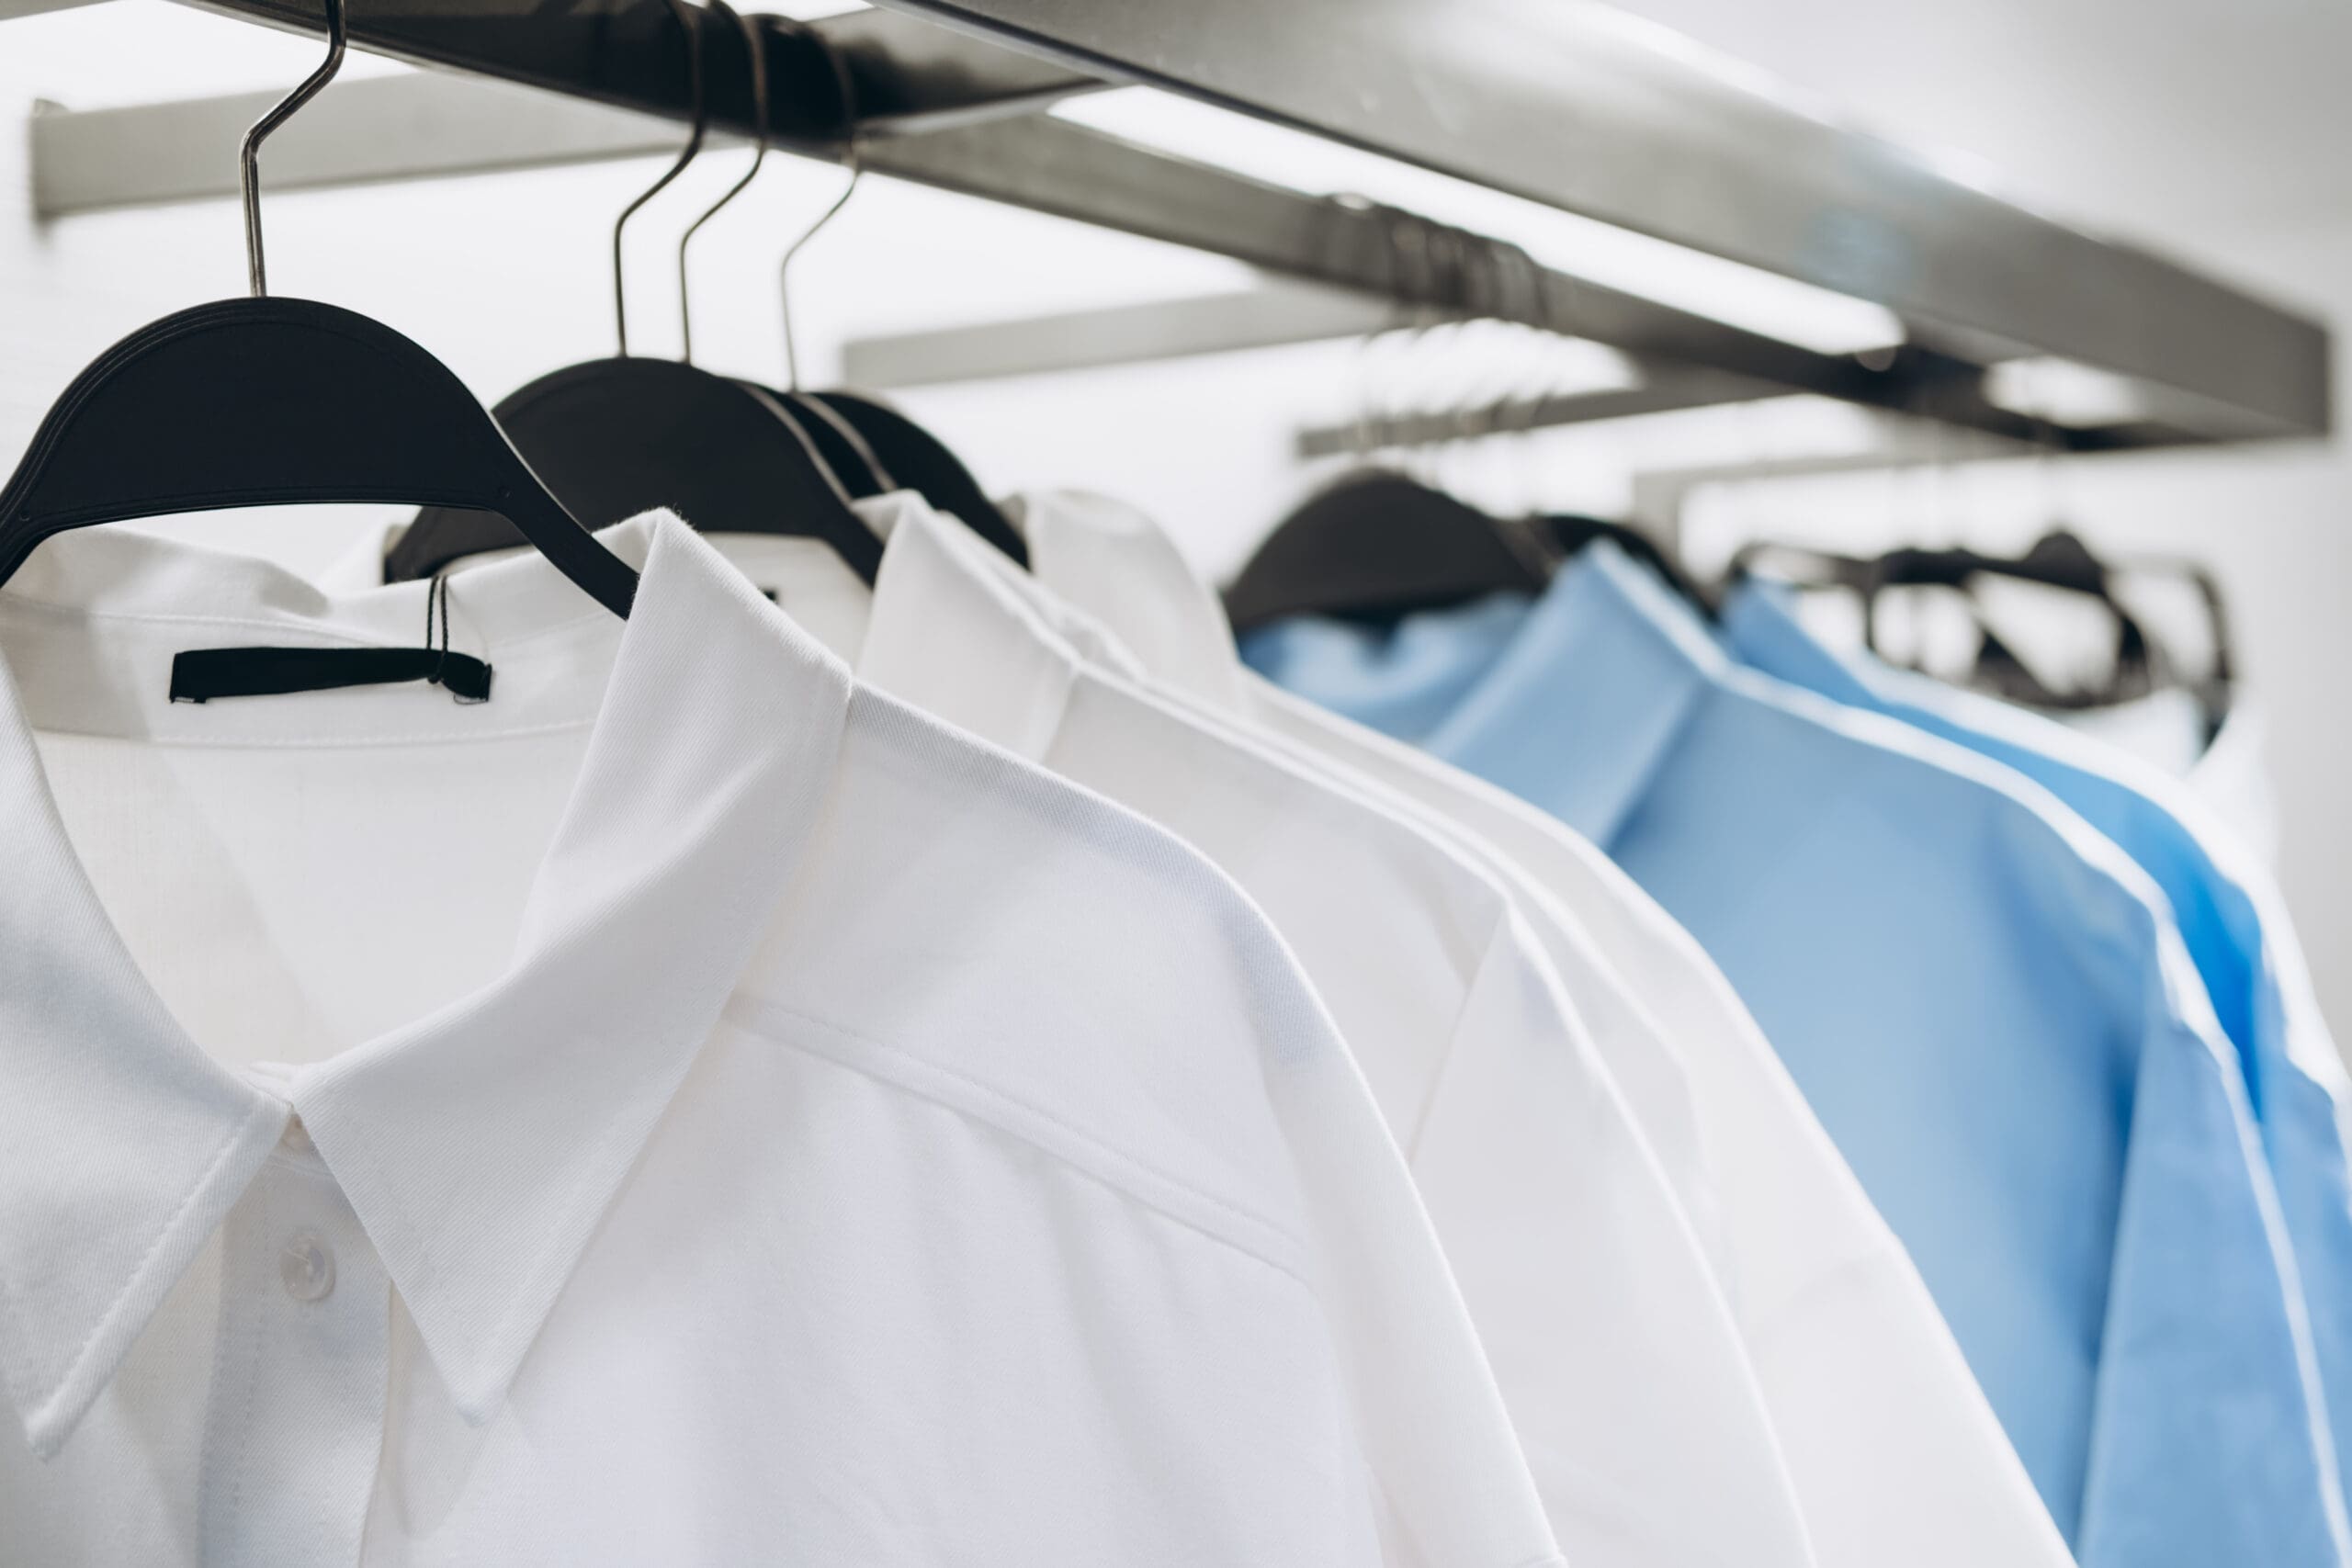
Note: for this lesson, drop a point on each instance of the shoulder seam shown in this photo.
(1175, 1199)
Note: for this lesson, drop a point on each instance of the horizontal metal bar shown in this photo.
(1566, 103)
(10, 10)
(417, 126)
(1572, 105)
(1661, 493)
(1275, 312)
(907, 74)
(1660, 392)
(913, 78)
(1050, 166)
(432, 124)
(1066, 170)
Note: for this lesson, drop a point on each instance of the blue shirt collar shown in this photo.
(1574, 698)
(1403, 680)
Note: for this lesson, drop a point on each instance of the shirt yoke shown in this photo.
(1168, 1045)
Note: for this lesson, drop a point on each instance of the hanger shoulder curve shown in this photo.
(276, 401)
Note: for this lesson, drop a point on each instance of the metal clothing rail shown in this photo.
(1566, 103)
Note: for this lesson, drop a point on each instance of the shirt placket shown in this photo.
(296, 1424)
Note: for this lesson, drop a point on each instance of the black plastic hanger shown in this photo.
(841, 444)
(1377, 544)
(2059, 560)
(618, 436)
(621, 437)
(279, 402)
(925, 464)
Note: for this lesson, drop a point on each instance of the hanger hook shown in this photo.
(689, 23)
(1404, 274)
(1539, 311)
(1360, 209)
(1545, 337)
(753, 47)
(249, 153)
(1463, 299)
(856, 165)
(1426, 293)
(1490, 306)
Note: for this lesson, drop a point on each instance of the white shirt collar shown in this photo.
(478, 1145)
(1110, 560)
(939, 586)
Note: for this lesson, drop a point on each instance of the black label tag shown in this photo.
(201, 674)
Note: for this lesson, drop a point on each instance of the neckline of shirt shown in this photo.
(90, 625)
(713, 742)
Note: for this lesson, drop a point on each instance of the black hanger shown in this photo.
(921, 462)
(618, 436)
(621, 437)
(2059, 560)
(841, 444)
(278, 402)
(1375, 544)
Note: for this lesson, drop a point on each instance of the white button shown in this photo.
(296, 1137)
(306, 1267)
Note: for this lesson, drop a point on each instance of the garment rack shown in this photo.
(1566, 103)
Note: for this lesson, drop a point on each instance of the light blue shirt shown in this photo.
(2220, 918)
(1985, 1002)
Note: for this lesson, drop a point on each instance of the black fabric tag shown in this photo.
(201, 674)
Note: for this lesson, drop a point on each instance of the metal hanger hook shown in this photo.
(689, 23)
(754, 46)
(1514, 305)
(1527, 466)
(849, 158)
(249, 152)
(1430, 297)
(1348, 208)
(1396, 224)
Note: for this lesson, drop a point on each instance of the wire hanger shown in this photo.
(839, 449)
(623, 435)
(899, 446)
(838, 442)
(271, 402)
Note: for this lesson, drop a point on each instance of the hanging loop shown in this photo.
(754, 45)
(854, 163)
(249, 151)
(690, 24)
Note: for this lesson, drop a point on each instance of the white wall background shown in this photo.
(2218, 132)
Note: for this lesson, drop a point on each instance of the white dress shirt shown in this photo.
(688, 1109)
(1896, 1455)
(1617, 1356)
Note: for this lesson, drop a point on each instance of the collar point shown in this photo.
(479, 1399)
(50, 1425)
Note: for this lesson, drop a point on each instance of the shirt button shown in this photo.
(306, 1267)
(296, 1137)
